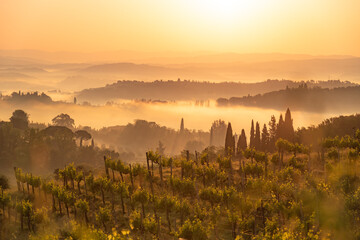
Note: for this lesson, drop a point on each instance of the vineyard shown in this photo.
(298, 192)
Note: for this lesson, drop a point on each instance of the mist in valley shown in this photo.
(134, 116)
(107, 122)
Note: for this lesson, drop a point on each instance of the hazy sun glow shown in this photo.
(226, 11)
(307, 26)
(217, 10)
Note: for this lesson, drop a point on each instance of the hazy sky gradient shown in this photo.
(244, 26)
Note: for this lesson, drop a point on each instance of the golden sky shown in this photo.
(244, 26)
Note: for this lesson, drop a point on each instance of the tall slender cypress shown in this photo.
(265, 139)
(182, 127)
(280, 128)
(288, 126)
(229, 141)
(241, 144)
(252, 135)
(257, 141)
(272, 133)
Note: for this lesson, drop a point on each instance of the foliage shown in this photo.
(292, 194)
(193, 230)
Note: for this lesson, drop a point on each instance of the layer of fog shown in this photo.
(199, 117)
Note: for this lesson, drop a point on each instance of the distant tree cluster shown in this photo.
(28, 97)
(332, 127)
(142, 135)
(263, 140)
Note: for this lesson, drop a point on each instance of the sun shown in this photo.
(228, 12)
(223, 10)
(220, 8)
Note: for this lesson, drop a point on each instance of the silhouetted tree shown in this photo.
(257, 141)
(241, 144)
(20, 119)
(62, 144)
(272, 133)
(83, 135)
(58, 132)
(280, 128)
(229, 141)
(288, 127)
(219, 132)
(265, 139)
(63, 120)
(182, 128)
(252, 135)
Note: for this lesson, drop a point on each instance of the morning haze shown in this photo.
(206, 119)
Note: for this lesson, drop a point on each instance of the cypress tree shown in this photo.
(218, 132)
(233, 145)
(229, 141)
(241, 144)
(272, 133)
(280, 128)
(211, 136)
(252, 134)
(257, 143)
(182, 125)
(288, 127)
(265, 139)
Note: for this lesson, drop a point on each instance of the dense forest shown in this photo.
(191, 90)
(303, 98)
(278, 183)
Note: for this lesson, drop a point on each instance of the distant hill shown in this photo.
(190, 90)
(123, 67)
(18, 61)
(13, 76)
(131, 70)
(26, 69)
(222, 70)
(303, 98)
(76, 71)
(157, 57)
(20, 85)
(146, 72)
